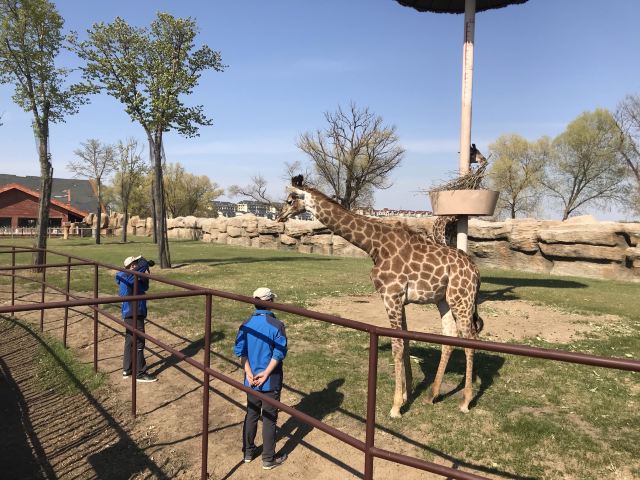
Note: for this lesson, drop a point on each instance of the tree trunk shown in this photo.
(125, 222)
(98, 212)
(153, 212)
(46, 178)
(158, 196)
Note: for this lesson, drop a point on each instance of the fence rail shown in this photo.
(187, 290)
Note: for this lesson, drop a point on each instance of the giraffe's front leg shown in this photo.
(394, 304)
(399, 395)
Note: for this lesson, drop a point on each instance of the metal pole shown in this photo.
(66, 309)
(13, 275)
(44, 279)
(372, 384)
(465, 121)
(95, 319)
(205, 387)
(134, 348)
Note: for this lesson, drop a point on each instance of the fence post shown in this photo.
(134, 347)
(205, 387)
(44, 278)
(95, 318)
(372, 384)
(13, 275)
(66, 309)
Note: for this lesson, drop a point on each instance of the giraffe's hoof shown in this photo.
(429, 400)
(464, 408)
(395, 413)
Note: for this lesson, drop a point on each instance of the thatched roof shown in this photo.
(455, 6)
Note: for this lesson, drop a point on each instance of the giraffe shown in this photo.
(408, 268)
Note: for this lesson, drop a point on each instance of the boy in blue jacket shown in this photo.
(261, 345)
(125, 282)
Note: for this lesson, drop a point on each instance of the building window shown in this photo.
(5, 222)
(27, 222)
(55, 222)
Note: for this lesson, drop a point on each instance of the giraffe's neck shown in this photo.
(344, 223)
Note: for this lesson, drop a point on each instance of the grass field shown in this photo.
(530, 419)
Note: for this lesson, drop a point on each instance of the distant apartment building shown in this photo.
(259, 209)
(225, 209)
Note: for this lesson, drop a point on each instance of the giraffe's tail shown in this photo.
(477, 323)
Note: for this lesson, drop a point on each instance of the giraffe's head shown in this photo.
(298, 200)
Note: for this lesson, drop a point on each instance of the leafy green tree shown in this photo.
(585, 168)
(517, 172)
(95, 162)
(188, 194)
(30, 40)
(354, 155)
(150, 70)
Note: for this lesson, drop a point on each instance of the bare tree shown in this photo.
(256, 190)
(130, 169)
(627, 118)
(95, 162)
(585, 167)
(354, 155)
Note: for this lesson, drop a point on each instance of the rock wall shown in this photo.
(580, 246)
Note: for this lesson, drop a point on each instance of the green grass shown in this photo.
(531, 417)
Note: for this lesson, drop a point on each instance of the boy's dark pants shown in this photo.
(128, 340)
(269, 420)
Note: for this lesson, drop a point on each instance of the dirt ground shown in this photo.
(95, 436)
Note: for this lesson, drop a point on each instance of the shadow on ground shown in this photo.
(72, 436)
(216, 262)
(511, 284)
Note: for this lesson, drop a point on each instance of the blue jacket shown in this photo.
(125, 281)
(260, 339)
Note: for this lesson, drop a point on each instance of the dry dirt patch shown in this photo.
(503, 320)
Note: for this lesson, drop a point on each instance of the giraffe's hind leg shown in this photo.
(464, 314)
(448, 328)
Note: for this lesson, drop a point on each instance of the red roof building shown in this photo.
(19, 208)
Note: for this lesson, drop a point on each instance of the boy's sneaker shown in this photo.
(145, 378)
(276, 462)
(248, 457)
(126, 374)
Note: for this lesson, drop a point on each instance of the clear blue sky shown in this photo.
(537, 66)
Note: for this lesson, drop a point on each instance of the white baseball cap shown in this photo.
(129, 260)
(264, 293)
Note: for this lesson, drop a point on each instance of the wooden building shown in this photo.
(71, 201)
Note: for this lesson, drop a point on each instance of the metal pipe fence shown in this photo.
(187, 290)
